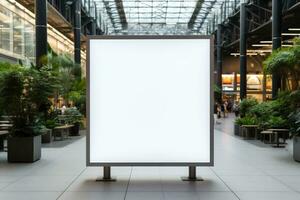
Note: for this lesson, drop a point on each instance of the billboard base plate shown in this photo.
(192, 179)
(106, 180)
(106, 175)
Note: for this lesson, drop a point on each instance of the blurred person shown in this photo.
(236, 108)
(63, 109)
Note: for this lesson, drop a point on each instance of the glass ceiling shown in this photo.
(159, 11)
(162, 16)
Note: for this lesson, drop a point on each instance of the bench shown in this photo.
(5, 126)
(267, 133)
(279, 132)
(61, 131)
(3, 135)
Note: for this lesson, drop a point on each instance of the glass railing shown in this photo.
(17, 34)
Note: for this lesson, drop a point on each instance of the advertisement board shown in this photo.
(150, 101)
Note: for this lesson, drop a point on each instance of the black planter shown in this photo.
(47, 136)
(236, 129)
(74, 131)
(24, 149)
(296, 148)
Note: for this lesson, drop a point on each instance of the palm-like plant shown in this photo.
(66, 71)
(24, 96)
(285, 62)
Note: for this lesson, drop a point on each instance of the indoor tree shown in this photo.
(285, 62)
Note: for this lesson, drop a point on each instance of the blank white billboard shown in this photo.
(149, 101)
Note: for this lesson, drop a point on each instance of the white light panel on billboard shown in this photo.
(149, 101)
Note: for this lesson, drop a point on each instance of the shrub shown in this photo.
(72, 116)
(285, 62)
(24, 95)
(247, 120)
(277, 122)
(246, 105)
(294, 122)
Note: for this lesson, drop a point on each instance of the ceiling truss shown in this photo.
(161, 16)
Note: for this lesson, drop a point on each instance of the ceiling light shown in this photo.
(291, 34)
(266, 42)
(294, 29)
(261, 45)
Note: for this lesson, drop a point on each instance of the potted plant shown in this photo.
(247, 120)
(237, 126)
(285, 61)
(245, 106)
(294, 119)
(78, 95)
(24, 96)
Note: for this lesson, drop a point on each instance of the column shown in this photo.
(41, 45)
(219, 61)
(77, 31)
(276, 37)
(243, 51)
(93, 27)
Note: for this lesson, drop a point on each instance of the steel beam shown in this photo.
(40, 30)
(77, 31)
(243, 51)
(276, 37)
(219, 61)
(195, 14)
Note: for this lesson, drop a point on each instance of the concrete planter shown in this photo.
(296, 148)
(47, 136)
(24, 149)
(74, 131)
(236, 129)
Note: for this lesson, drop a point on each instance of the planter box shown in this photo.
(296, 148)
(24, 149)
(47, 136)
(74, 131)
(236, 129)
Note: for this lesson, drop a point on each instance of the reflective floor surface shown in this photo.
(247, 170)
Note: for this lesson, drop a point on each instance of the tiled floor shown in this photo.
(247, 170)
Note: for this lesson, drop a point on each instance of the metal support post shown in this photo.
(276, 37)
(77, 31)
(106, 175)
(219, 62)
(243, 51)
(41, 30)
(192, 175)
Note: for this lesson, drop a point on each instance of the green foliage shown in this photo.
(72, 116)
(24, 95)
(261, 110)
(247, 120)
(246, 105)
(277, 122)
(276, 113)
(78, 95)
(68, 76)
(294, 120)
(11, 90)
(25, 92)
(6, 67)
(285, 62)
(262, 113)
(279, 61)
(217, 89)
(51, 120)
